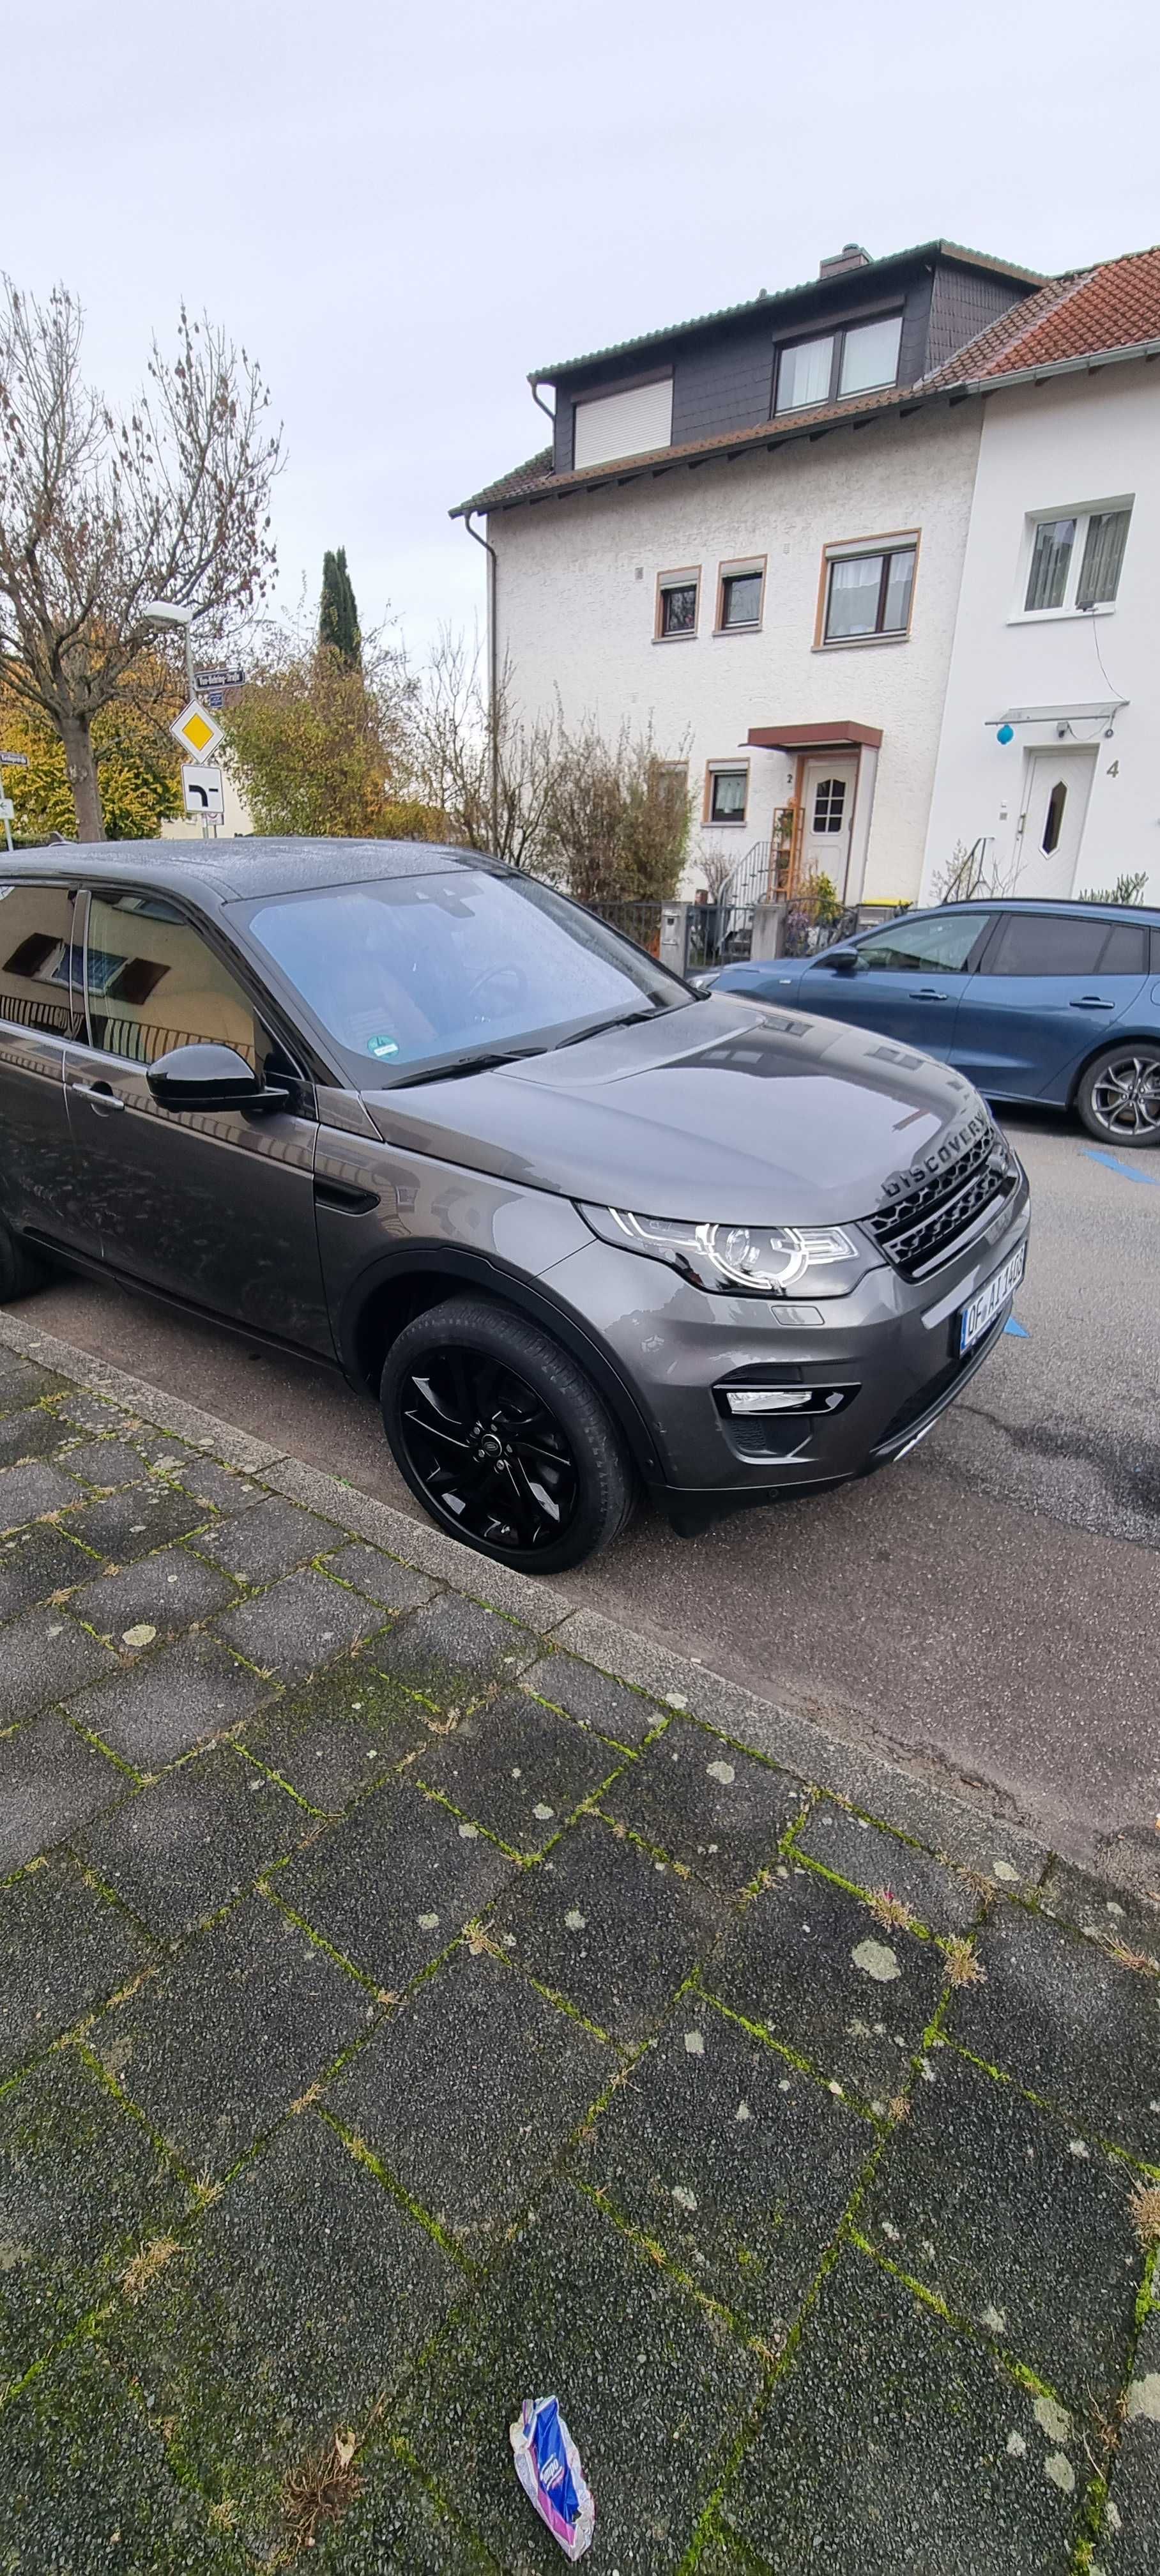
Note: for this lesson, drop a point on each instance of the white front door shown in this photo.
(1056, 791)
(828, 786)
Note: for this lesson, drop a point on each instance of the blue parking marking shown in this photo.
(1020, 1330)
(1127, 1171)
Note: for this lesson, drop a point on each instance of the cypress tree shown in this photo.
(338, 613)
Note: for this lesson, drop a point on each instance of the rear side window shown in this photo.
(39, 967)
(940, 946)
(154, 983)
(1060, 943)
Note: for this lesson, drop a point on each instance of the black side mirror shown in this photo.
(843, 960)
(210, 1077)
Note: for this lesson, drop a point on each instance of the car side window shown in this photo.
(1067, 944)
(154, 983)
(942, 946)
(39, 962)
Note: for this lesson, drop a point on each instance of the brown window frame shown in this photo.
(741, 568)
(838, 333)
(897, 541)
(724, 822)
(689, 579)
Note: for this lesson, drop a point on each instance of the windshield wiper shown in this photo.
(623, 1020)
(465, 1064)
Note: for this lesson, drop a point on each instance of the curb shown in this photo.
(907, 1799)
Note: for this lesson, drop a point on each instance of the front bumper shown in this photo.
(890, 1346)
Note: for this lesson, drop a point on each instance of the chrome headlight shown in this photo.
(757, 1260)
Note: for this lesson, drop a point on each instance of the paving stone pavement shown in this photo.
(402, 2013)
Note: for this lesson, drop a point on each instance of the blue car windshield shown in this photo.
(405, 972)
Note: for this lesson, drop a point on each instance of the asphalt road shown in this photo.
(989, 1609)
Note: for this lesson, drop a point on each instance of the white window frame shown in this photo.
(731, 769)
(1082, 512)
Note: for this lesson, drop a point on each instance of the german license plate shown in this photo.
(985, 1304)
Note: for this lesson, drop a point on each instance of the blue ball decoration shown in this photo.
(1006, 733)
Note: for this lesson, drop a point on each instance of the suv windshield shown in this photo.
(421, 971)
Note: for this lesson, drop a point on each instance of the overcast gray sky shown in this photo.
(400, 208)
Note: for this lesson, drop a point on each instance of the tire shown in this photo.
(20, 1271)
(502, 1438)
(1123, 1082)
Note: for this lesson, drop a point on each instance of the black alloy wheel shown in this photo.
(1119, 1096)
(502, 1438)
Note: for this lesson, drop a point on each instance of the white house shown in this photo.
(798, 539)
(1049, 755)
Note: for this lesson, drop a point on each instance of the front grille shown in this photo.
(922, 1228)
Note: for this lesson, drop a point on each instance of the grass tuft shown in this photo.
(1144, 2205)
(1137, 1959)
(963, 1967)
(891, 1911)
(139, 2275)
(320, 2489)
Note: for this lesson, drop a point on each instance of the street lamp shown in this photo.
(156, 613)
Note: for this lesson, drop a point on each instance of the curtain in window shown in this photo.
(803, 374)
(896, 617)
(870, 355)
(1103, 554)
(855, 582)
(1054, 539)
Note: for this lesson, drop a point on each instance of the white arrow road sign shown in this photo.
(201, 787)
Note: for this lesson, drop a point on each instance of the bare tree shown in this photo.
(618, 814)
(102, 512)
(452, 758)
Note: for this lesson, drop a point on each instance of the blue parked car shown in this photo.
(1057, 1002)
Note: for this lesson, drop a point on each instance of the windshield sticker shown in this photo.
(382, 1046)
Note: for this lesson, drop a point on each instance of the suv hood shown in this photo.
(726, 1112)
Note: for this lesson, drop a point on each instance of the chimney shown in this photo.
(851, 255)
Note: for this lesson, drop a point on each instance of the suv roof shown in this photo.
(232, 871)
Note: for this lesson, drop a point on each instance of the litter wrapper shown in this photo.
(549, 2471)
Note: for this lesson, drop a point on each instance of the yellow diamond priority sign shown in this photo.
(196, 730)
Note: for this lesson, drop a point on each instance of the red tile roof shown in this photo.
(1114, 306)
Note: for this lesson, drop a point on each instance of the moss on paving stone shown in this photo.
(21, 1382)
(867, 1858)
(46, 1655)
(63, 1948)
(31, 1434)
(808, 1964)
(740, 2166)
(650, 2383)
(469, 2093)
(188, 1843)
(87, 2485)
(28, 1493)
(219, 2044)
(165, 1592)
(517, 1768)
(451, 1653)
(1060, 2016)
(133, 1521)
(295, 2307)
(594, 1699)
(172, 1699)
(35, 1563)
(396, 2527)
(1016, 2223)
(302, 1622)
(51, 1783)
(1105, 1915)
(271, 1539)
(606, 1927)
(381, 1577)
(894, 2446)
(706, 1803)
(81, 2189)
(103, 1463)
(1129, 2539)
(394, 1884)
(329, 1751)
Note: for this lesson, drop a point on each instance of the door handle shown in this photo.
(928, 993)
(1092, 1002)
(101, 1094)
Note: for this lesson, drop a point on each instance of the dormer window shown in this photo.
(854, 361)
